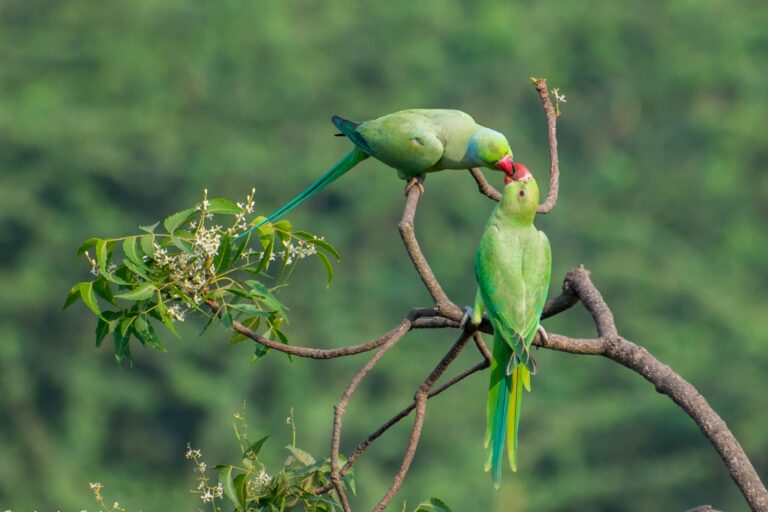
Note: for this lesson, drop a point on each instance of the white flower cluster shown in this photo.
(192, 272)
(245, 209)
(207, 242)
(262, 481)
(206, 492)
(176, 313)
(296, 251)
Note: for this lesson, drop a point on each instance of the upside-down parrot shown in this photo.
(413, 142)
(512, 267)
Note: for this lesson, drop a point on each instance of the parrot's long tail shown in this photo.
(505, 395)
(351, 159)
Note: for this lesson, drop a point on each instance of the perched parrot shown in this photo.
(413, 142)
(512, 268)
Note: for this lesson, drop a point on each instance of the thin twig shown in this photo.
(483, 186)
(482, 365)
(554, 167)
(420, 399)
(417, 318)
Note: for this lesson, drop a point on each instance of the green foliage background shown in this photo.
(114, 114)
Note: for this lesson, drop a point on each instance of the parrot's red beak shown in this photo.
(520, 172)
(505, 164)
(513, 171)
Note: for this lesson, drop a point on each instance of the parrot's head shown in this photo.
(489, 148)
(521, 194)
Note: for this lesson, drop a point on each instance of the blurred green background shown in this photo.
(115, 114)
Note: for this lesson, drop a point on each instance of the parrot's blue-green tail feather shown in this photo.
(508, 378)
(499, 430)
(497, 409)
(351, 159)
(520, 378)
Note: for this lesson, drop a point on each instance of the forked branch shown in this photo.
(551, 113)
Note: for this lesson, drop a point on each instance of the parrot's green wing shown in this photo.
(404, 140)
(513, 270)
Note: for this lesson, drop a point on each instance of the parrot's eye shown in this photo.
(521, 193)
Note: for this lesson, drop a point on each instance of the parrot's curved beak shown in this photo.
(505, 164)
(521, 172)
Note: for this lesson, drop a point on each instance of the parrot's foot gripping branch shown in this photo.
(417, 182)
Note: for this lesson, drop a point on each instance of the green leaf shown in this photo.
(102, 329)
(225, 477)
(262, 293)
(131, 250)
(251, 310)
(221, 205)
(226, 318)
(141, 292)
(328, 269)
(87, 245)
(221, 260)
(252, 323)
(86, 292)
(300, 455)
(149, 229)
(102, 255)
(242, 247)
(433, 505)
(139, 271)
(118, 275)
(259, 352)
(283, 226)
(102, 289)
(73, 295)
(253, 450)
(241, 485)
(122, 338)
(147, 243)
(266, 256)
(173, 222)
(182, 244)
(349, 481)
(281, 336)
(145, 333)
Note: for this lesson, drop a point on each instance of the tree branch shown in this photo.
(554, 166)
(417, 318)
(664, 379)
(442, 302)
(483, 186)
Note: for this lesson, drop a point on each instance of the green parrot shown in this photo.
(413, 142)
(512, 267)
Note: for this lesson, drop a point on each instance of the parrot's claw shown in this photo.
(468, 311)
(543, 333)
(414, 182)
